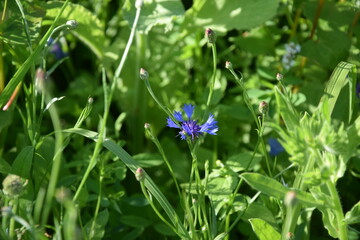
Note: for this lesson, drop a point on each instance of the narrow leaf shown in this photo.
(23, 162)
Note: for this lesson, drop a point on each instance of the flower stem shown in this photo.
(108, 99)
(213, 47)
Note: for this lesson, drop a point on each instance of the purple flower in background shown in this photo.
(191, 128)
(288, 60)
(275, 147)
(56, 49)
(358, 90)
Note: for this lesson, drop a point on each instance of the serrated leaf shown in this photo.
(353, 216)
(275, 189)
(159, 12)
(263, 230)
(227, 15)
(89, 30)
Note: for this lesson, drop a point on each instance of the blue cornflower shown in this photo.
(191, 127)
(275, 147)
(56, 49)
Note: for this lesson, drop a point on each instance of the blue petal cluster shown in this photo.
(275, 147)
(190, 127)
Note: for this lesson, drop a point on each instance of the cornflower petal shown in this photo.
(178, 116)
(170, 123)
(189, 110)
(210, 126)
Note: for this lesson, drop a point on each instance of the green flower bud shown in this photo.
(13, 185)
(71, 24)
(144, 75)
(290, 199)
(139, 174)
(210, 35)
(279, 76)
(228, 65)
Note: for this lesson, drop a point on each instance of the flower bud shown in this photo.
(144, 75)
(71, 24)
(139, 3)
(139, 174)
(40, 79)
(90, 100)
(147, 125)
(13, 185)
(62, 195)
(228, 65)
(290, 199)
(219, 164)
(279, 76)
(210, 35)
(6, 211)
(290, 236)
(263, 107)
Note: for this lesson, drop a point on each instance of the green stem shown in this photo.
(12, 219)
(97, 208)
(143, 188)
(213, 47)
(108, 99)
(339, 214)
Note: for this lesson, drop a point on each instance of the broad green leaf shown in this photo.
(90, 30)
(259, 210)
(164, 229)
(275, 189)
(154, 12)
(23, 163)
(227, 15)
(344, 73)
(133, 165)
(20, 73)
(148, 159)
(263, 230)
(353, 216)
(329, 221)
(241, 161)
(100, 224)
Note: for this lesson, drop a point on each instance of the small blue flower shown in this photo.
(191, 127)
(275, 147)
(56, 49)
(358, 90)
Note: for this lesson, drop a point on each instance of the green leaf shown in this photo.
(5, 168)
(227, 15)
(154, 12)
(135, 221)
(263, 230)
(149, 183)
(275, 189)
(287, 111)
(89, 30)
(353, 216)
(23, 162)
(148, 159)
(99, 228)
(240, 162)
(343, 74)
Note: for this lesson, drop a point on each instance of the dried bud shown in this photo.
(290, 199)
(13, 185)
(62, 194)
(279, 76)
(6, 211)
(263, 107)
(228, 65)
(71, 24)
(290, 236)
(210, 35)
(144, 75)
(139, 3)
(139, 174)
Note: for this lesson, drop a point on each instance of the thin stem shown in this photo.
(97, 208)
(213, 47)
(143, 188)
(108, 99)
